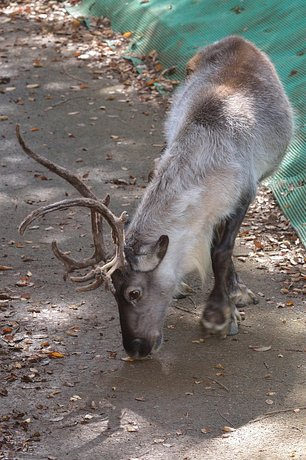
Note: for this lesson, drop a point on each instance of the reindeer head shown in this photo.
(133, 274)
(143, 295)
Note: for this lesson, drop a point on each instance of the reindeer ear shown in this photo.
(162, 246)
(148, 257)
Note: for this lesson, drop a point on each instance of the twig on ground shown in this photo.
(226, 419)
(192, 301)
(218, 383)
(275, 412)
(184, 309)
(73, 76)
(64, 101)
(295, 350)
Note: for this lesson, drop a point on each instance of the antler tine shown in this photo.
(103, 273)
(73, 264)
(96, 221)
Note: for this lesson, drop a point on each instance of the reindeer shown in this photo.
(228, 129)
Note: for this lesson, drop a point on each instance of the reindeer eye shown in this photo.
(133, 294)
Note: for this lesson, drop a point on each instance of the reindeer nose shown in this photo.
(138, 348)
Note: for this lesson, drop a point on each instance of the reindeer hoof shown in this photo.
(233, 327)
(183, 291)
(221, 321)
(242, 296)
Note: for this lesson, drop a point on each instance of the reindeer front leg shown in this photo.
(220, 314)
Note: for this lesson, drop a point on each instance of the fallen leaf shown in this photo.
(198, 341)
(260, 348)
(258, 244)
(76, 23)
(128, 359)
(205, 430)
(3, 392)
(127, 34)
(75, 398)
(40, 177)
(37, 63)
(219, 366)
(158, 67)
(33, 86)
(3, 117)
(24, 281)
(132, 428)
(150, 82)
(33, 130)
(228, 429)
(73, 331)
(53, 393)
(56, 419)
(56, 355)
(5, 267)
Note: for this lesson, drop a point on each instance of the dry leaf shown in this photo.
(127, 34)
(258, 244)
(198, 341)
(205, 430)
(56, 355)
(76, 23)
(260, 348)
(75, 398)
(219, 366)
(33, 86)
(5, 267)
(128, 359)
(37, 63)
(132, 428)
(73, 331)
(3, 117)
(24, 281)
(159, 440)
(228, 429)
(158, 67)
(151, 82)
(33, 130)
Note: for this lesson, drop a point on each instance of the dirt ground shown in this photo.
(65, 392)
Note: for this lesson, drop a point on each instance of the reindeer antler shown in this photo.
(99, 210)
(96, 221)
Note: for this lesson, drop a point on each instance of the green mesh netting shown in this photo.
(176, 30)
